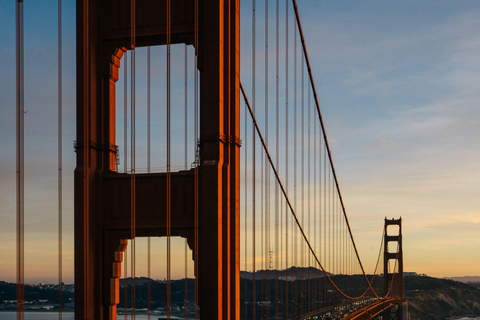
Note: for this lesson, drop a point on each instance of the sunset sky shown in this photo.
(399, 88)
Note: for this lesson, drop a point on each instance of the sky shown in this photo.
(398, 84)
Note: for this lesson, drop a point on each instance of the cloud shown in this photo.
(412, 148)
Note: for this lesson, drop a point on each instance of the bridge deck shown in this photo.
(373, 309)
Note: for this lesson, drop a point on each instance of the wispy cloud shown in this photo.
(412, 146)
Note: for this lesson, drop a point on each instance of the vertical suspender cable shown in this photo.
(186, 281)
(263, 239)
(337, 239)
(319, 197)
(125, 284)
(132, 154)
(169, 212)
(302, 166)
(86, 137)
(20, 160)
(340, 238)
(132, 177)
(337, 256)
(60, 160)
(332, 228)
(195, 93)
(295, 131)
(335, 242)
(343, 252)
(125, 109)
(186, 108)
(345, 244)
(264, 245)
(186, 167)
(195, 69)
(149, 287)
(148, 111)
(315, 208)
(335, 231)
(308, 183)
(307, 256)
(148, 171)
(267, 180)
(125, 158)
(286, 111)
(324, 223)
(265, 162)
(340, 253)
(277, 125)
(246, 210)
(329, 227)
(295, 171)
(253, 157)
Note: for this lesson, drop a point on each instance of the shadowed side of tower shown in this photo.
(103, 223)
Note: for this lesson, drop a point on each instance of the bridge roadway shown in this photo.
(372, 310)
(369, 309)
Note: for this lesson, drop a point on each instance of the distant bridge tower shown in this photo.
(103, 199)
(393, 280)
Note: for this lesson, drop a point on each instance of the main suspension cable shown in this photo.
(312, 84)
(283, 190)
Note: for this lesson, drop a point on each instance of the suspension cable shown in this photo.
(125, 157)
(245, 209)
(148, 171)
(312, 84)
(186, 167)
(253, 161)
(125, 113)
(196, 162)
(283, 190)
(267, 176)
(132, 155)
(169, 183)
(20, 174)
(60, 178)
(278, 211)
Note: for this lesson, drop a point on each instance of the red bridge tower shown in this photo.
(393, 281)
(103, 199)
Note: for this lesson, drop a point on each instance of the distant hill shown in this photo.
(289, 274)
(138, 281)
(36, 296)
(427, 297)
(465, 279)
(438, 299)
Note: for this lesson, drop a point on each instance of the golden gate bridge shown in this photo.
(234, 159)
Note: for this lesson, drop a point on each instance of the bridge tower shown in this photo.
(103, 201)
(393, 280)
